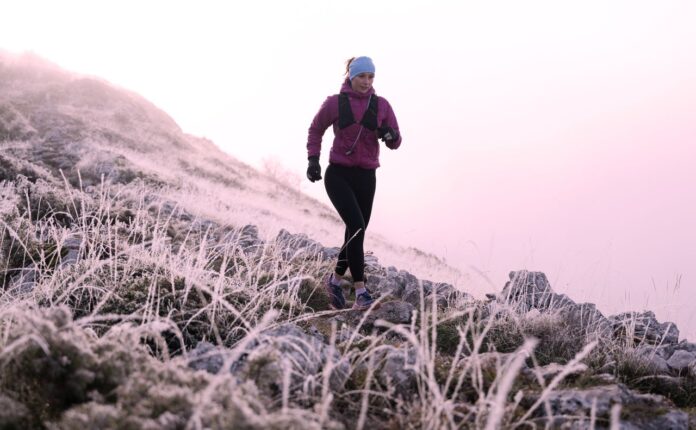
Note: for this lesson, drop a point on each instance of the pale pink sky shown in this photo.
(546, 135)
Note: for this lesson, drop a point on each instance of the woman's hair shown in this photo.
(350, 60)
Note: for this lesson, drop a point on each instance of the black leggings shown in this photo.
(352, 191)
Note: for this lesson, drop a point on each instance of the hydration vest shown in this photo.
(345, 113)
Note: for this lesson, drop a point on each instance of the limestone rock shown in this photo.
(396, 312)
(643, 328)
(206, 356)
(72, 245)
(639, 411)
(248, 238)
(393, 370)
(682, 360)
(288, 351)
(297, 245)
(528, 291)
(685, 346)
(653, 357)
(529, 288)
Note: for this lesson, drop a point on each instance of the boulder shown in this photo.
(297, 246)
(643, 328)
(529, 291)
(587, 317)
(285, 353)
(685, 346)
(387, 286)
(207, 357)
(247, 238)
(396, 312)
(72, 246)
(653, 357)
(288, 351)
(394, 370)
(682, 361)
(639, 411)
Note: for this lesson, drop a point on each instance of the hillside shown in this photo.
(82, 128)
(150, 281)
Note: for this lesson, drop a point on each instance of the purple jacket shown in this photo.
(366, 151)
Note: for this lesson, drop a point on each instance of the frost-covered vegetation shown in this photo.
(136, 291)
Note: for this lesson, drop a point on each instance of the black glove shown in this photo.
(314, 170)
(388, 134)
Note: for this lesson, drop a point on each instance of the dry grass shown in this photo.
(124, 285)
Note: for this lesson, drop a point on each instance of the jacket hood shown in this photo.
(346, 88)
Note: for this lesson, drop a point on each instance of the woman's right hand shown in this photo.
(314, 169)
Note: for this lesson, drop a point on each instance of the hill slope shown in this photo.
(55, 123)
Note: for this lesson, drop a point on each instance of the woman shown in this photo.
(359, 117)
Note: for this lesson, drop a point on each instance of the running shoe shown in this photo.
(335, 292)
(363, 301)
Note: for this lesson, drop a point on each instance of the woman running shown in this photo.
(359, 117)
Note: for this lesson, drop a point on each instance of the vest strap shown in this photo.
(345, 113)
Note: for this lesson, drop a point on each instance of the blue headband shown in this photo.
(360, 65)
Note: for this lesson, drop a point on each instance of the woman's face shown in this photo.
(363, 82)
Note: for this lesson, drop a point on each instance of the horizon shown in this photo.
(550, 137)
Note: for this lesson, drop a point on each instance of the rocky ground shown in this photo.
(113, 318)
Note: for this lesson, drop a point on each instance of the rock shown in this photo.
(639, 411)
(587, 317)
(398, 283)
(372, 263)
(288, 350)
(530, 293)
(643, 328)
(393, 370)
(663, 351)
(388, 286)
(682, 360)
(672, 420)
(531, 287)
(405, 286)
(297, 246)
(248, 238)
(443, 294)
(396, 312)
(72, 244)
(685, 346)
(206, 356)
(331, 254)
(653, 358)
(531, 290)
